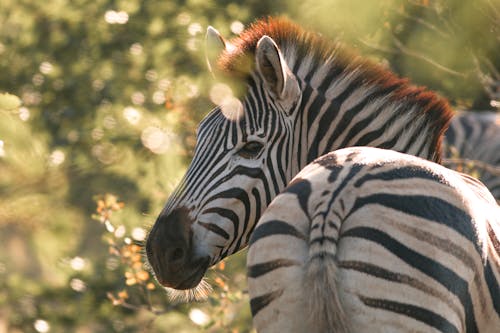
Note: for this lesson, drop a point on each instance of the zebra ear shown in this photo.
(215, 45)
(271, 65)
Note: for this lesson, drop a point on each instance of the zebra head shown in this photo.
(241, 162)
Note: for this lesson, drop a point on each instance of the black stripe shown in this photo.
(282, 148)
(373, 270)
(449, 136)
(275, 227)
(392, 142)
(468, 130)
(254, 271)
(416, 312)
(407, 172)
(493, 286)
(215, 229)
(260, 302)
(242, 196)
(322, 255)
(302, 189)
(272, 179)
(417, 132)
(335, 173)
(442, 274)
(343, 123)
(258, 212)
(321, 239)
(426, 207)
(333, 74)
(226, 213)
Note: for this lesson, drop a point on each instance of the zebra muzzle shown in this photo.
(170, 253)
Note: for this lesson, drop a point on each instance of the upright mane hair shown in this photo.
(297, 44)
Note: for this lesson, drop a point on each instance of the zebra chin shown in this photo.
(188, 277)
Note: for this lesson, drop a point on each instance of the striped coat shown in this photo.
(370, 240)
(295, 97)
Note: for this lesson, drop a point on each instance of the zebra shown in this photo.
(370, 240)
(476, 136)
(296, 96)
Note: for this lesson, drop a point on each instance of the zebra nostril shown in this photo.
(176, 255)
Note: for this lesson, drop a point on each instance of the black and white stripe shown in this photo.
(371, 240)
(303, 97)
(475, 137)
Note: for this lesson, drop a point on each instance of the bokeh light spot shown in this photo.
(232, 108)
(37, 79)
(132, 115)
(2, 150)
(97, 134)
(136, 49)
(57, 157)
(77, 263)
(138, 98)
(219, 92)
(46, 67)
(41, 326)
(138, 234)
(114, 17)
(157, 140)
(199, 317)
(98, 85)
(159, 97)
(194, 29)
(164, 84)
(237, 27)
(24, 113)
(109, 122)
(151, 75)
(120, 231)
(78, 285)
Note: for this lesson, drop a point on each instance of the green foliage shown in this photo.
(104, 96)
(449, 46)
(111, 93)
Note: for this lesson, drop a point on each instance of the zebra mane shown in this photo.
(297, 44)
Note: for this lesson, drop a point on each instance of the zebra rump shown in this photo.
(368, 240)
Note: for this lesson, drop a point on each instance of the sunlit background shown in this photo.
(110, 93)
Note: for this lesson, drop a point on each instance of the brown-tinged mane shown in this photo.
(238, 61)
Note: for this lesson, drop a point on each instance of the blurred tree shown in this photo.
(449, 46)
(111, 92)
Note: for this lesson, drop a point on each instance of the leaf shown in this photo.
(9, 102)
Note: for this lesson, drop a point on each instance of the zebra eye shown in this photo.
(250, 149)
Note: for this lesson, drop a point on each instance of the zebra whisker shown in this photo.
(199, 293)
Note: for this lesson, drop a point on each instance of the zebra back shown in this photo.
(369, 240)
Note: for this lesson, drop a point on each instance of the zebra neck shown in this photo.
(343, 110)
